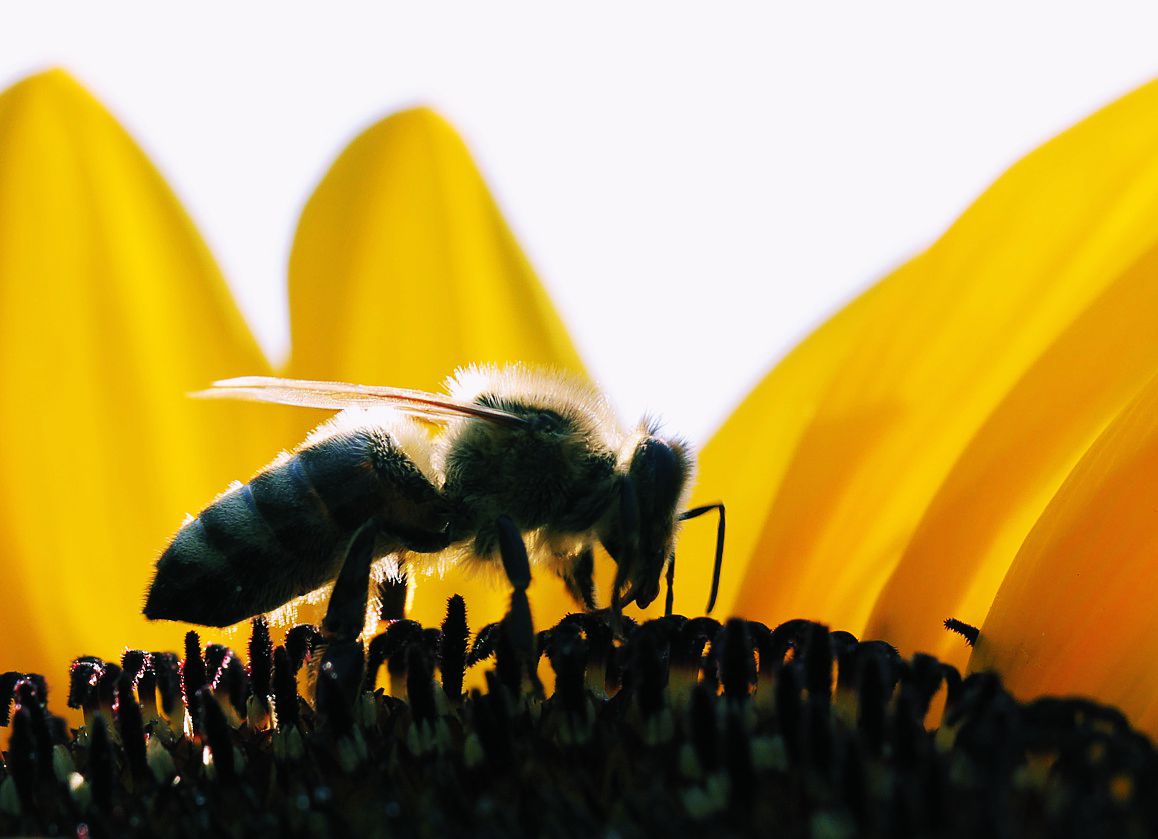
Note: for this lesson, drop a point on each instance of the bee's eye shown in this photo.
(659, 474)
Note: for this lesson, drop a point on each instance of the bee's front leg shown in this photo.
(669, 602)
(626, 552)
(578, 575)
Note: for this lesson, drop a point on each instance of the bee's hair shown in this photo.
(410, 433)
(575, 398)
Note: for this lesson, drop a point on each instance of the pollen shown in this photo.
(1122, 788)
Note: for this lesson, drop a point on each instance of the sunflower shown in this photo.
(973, 437)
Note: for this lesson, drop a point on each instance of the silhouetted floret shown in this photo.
(648, 667)
(737, 659)
(923, 678)
(452, 647)
(134, 663)
(215, 658)
(84, 675)
(231, 683)
(420, 683)
(110, 676)
(392, 598)
(7, 689)
(339, 684)
(147, 687)
(130, 726)
(24, 756)
(969, 633)
(705, 733)
(816, 652)
(872, 696)
(285, 690)
(789, 709)
(668, 727)
(217, 735)
(567, 652)
(300, 641)
(101, 763)
(193, 675)
(260, 660)
(167, 668)
(484, 644)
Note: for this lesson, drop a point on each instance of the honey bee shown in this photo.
(542, 448)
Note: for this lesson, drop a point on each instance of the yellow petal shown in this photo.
(941, 343)
(402, 270)
(745, 460)
(111, 309)
(1075, 612)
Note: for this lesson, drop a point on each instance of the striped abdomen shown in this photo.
(261, 544)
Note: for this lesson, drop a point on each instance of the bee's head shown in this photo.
(641, 534)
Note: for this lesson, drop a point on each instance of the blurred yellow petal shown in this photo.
(111, 309)
(1075, 613)
(402, 270)
(939, 345)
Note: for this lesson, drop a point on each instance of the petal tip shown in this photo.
(421, 121)
(50, 82)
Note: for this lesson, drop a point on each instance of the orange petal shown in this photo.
(402, 270)
(111, 309)
(1075, 613)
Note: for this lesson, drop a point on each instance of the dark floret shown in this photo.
(667, 727)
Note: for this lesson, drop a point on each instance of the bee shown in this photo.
(541, 449)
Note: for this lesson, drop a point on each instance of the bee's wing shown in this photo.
(340, 395)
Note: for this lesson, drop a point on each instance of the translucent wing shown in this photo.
(340, 395)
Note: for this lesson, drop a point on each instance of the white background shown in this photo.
(698, 191)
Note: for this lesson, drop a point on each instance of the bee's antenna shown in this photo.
(696, 512)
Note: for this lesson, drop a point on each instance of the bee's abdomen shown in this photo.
(277, 537)
(291, 512)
